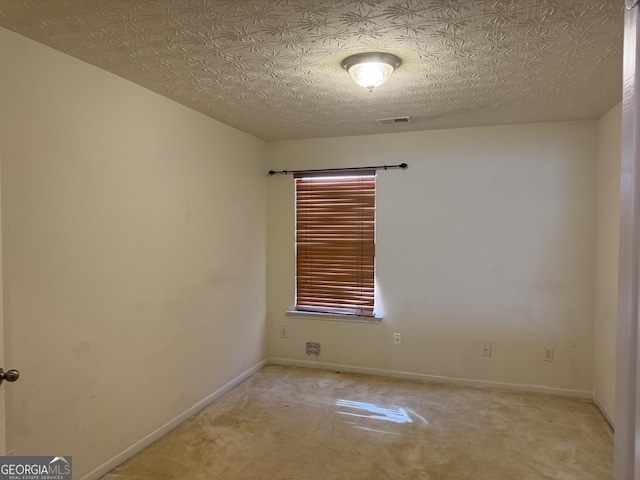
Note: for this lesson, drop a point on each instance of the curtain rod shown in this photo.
(343, 169)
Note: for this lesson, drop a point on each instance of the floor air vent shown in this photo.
(393, 121)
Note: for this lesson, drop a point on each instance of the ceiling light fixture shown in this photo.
(371, 70)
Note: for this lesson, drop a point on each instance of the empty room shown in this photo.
(226, 253)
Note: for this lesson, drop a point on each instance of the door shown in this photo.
(627, 432)
(9, 376)
(3, 431)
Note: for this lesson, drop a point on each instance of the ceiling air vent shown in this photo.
(393, 121)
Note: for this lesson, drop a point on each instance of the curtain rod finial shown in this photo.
(403, 166)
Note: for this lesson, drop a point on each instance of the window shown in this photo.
(335, 243)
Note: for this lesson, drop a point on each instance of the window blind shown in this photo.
(335, 243)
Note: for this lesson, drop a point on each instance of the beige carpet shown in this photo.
(292, 423)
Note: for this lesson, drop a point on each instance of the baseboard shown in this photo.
(518, 387)
(167, 427)
(605, 413)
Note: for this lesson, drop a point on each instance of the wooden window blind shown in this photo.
(335, 243)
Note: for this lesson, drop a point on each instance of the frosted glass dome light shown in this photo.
(371, 70)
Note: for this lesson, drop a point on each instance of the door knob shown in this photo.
(9, 375)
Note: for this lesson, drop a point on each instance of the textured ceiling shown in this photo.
(273, 68)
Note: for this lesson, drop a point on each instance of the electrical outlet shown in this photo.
(548, 354)
(397, 339)
(283, 331)
(486, 350)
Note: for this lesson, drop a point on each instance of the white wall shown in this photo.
(607, 243)
(134, 240)
(489, 236)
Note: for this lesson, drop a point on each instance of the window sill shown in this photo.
(334, 317)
